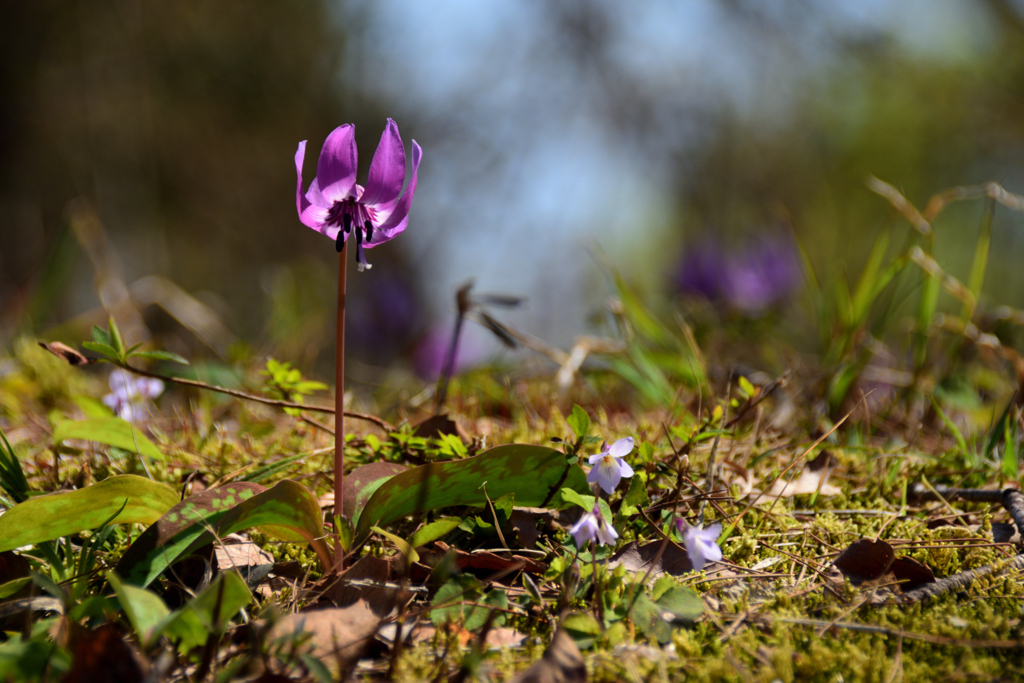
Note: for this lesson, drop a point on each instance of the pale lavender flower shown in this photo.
(593, 525)
(336, 206)
(611, 467)
(700, 543)
(128, 395)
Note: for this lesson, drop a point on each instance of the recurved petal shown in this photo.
(339, 160)
(300, 200)
(400, 212)
(387, 170)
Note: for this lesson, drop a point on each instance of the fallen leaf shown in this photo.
(503, 636)
(369, 580)
(65, 352)
(337, 635)
(241, 555)
(865, 560)
(483, 560)
(561, 663)
(437, 426)
(809, 481)
(911, 574)
(641, 558)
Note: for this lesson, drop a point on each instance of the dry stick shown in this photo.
(959, 581)
(383, 424)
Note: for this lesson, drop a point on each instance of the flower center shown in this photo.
(347, 213)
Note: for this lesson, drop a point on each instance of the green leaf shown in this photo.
(12, 477)
(44, 518)
(159, 355)
(434, 531)
(11, 587)
(647, 617)
(571, 496)
(579, 422)
(636, 496)
(287, 512)
(115, 338)
(100, 336)
(403, 546)
(682, 602)
(112, 431)
(533, 473)
(91, 407)
(144, 609)
(105, 350)
(208, 612)
(582, 628)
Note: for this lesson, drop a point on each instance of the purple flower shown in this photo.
(593, 525)
(129, 394)
(336, 206)
(750, 279)
(611, 468)
(700, 543)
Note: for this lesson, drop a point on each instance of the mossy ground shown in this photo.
(775, 608)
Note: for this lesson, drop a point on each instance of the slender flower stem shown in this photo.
(339, 407)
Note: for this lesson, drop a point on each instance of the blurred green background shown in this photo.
(146, 152)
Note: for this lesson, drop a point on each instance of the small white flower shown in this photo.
(593, 525)
(610, 467)
(700, 543)
(128, 394)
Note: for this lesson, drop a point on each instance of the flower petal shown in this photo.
(624, 469)
(607, 534)
(396, 221)
(622, 447)
(387, 170)
(300, 200)
(339, 160)
(608, 476)
(594, 458)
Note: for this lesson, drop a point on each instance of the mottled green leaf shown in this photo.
(112, 431)
(44, 518)
(287, 512)
(533, 473)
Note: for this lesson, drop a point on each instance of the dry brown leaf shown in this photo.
(562, 663)
(809, 481)
(65, 352)
(241, 555)
(641, 558)
(338, 636)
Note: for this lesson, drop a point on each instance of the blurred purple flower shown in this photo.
(752, 279)
(700, 543)
(336, 206)
(593, 525)
(432, 349)
(128, 395)
(611, 467)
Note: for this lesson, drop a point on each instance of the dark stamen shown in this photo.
(346, 220)
(369, 231)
